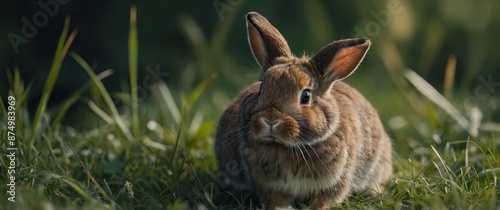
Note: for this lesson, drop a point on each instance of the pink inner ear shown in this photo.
(257, 44)
(346, 61)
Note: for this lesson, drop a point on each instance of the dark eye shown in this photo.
(305, 96)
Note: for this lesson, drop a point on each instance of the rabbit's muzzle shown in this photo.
(271, 125)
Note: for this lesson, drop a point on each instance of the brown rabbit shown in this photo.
(300, 134)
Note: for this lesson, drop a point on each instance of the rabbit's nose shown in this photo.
(270, 124)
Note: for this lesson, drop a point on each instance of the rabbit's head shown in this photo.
(294, 105)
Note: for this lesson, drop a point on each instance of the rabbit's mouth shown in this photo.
(268, 138)
(271, 139)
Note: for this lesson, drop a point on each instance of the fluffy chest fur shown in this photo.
(301, 186)
(296, 171)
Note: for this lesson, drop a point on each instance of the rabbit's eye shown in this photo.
(305, 96)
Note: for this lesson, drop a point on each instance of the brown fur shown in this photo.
(269, 142)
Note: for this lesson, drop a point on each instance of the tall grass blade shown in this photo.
(443, 162)
(449, 76)
(77, 188)
(488, 126)
(394, 64)
(101, 113)
(17, 82)
(90, 176)
(198, 43)
(193, 97)
(169, 101)
(176, 146)
(74, 97)
(2, 108)
(222, 31)
(24, 95)
(24, 116)
(17, 89)
(432, 94)
(60, 53)
(15, 86)
(434, 121)
(132, 65)
(106, 97)
(487, 162)
(319, 22)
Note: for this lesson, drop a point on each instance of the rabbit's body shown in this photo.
(301, 134)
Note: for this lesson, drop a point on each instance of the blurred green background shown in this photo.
(185, 42)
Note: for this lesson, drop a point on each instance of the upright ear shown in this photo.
(339, 59)
(266, 41)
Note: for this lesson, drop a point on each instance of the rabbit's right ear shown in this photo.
(339, 59)
(265, 40)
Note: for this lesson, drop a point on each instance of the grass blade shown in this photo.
(74, 97)
(2, 108)
(392, 60)
(167, 97)
(434, 121)
(91, 177)
(432, 94)
(77, 188)
(105, 95)
(222, 31)
(17, 80)
(101, 113)
(176, 145)
(60, 53)
(449, 77)
(490, 126)
(24, 95)
(193, 97)
(132, 64)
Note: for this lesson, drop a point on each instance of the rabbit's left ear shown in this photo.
(339, 59)
(265, 40)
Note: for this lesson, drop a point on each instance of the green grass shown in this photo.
(158, 153)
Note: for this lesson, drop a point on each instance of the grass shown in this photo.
(158, 153)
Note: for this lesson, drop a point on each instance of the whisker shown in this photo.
(305, 160)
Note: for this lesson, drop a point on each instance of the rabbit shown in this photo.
(300, 134)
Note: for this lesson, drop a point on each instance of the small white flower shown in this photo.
(130, 189)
